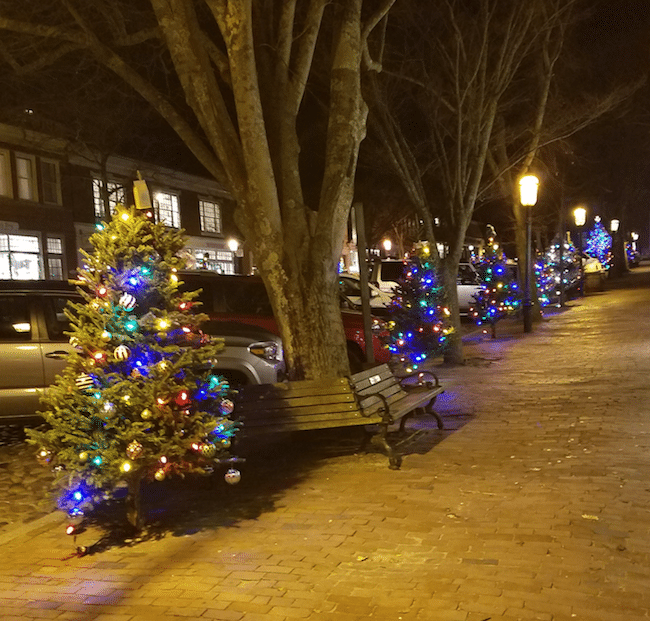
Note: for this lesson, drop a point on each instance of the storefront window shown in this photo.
(20, 257)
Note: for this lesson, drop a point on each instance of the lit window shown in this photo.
(210, 214)
(25, 166)
(20, 257)
(115, 194)
(50, 181)
(55, 267)
(167, 209)
(54, 245)
(5, 174)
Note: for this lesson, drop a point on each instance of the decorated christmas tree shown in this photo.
(137, 400)
(419, 317)
(598, 244)
(551, 274)
(500, 295)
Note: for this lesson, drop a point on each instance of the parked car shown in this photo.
(34, 347)
(386, 274)
(244, 299)
(350, 288)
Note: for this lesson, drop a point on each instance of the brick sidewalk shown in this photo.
(533, 505)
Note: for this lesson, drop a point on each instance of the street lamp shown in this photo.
(388, 246)
(528, 186)
(580, 216)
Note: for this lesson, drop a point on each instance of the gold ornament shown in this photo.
(145, 414)
(133, 449)
(208, 450)
(83, 457)
(225, 443)
(233, 476)
(160, 475)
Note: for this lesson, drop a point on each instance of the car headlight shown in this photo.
(267, 350)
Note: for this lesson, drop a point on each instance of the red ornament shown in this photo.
(102, 291)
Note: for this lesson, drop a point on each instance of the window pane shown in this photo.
(50, 178)
(116, 196)
(24, 243)
(55, 319)
(210, 215)
(167, 210)
(55, 267)
(25, 174)
(54, 245)
(15, 322)
(5, 174)
(25, 266)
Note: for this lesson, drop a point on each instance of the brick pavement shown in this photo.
(534, 505)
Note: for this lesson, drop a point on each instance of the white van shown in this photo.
(386, 274)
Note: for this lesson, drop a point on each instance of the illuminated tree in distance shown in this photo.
(420, 320)
(500, 294)
(138, 400)
(598, 244)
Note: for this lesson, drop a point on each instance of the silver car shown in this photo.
(34, 347)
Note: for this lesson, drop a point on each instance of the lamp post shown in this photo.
(388, 246)
(617, 266)
(580, 216)
(528, 186)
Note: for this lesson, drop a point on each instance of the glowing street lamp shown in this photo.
(580, 217)
(528, 186)
(388, 246)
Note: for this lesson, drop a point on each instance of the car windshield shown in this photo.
(392, 271)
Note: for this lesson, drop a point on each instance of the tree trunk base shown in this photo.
(134, 503)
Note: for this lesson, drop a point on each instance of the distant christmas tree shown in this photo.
(547, 273)
(419, 317)
(138, 400)
(500, 296)
(598, 244)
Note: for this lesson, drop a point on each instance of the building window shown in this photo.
(20, 257)
(210, 214)
(55, 268)
(51, 182)
(219, 261)
(54, 246)
(25, 167)
(5, 174)
(116, 196)
(167, 209)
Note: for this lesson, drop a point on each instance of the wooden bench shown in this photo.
(372, 397)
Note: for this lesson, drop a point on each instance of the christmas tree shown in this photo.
(599, 244)
(137, 400)
(500, 295)
(547, 273)
(419, 317)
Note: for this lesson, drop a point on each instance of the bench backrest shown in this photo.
(369, 384)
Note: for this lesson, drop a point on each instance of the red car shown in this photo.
(244, 299)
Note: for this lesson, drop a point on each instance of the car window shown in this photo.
(55, 320)
(248, 298)
(349, 286)
(392, 271)
(466, 275)
(15, 319)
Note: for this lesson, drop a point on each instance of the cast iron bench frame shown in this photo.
(373, 397)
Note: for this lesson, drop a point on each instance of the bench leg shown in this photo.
(429, 409)
(394, 458)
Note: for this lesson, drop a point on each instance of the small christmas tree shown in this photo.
(419, 317)
(500, 296)
(137, 400)
(599, 244)
(547, 273)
